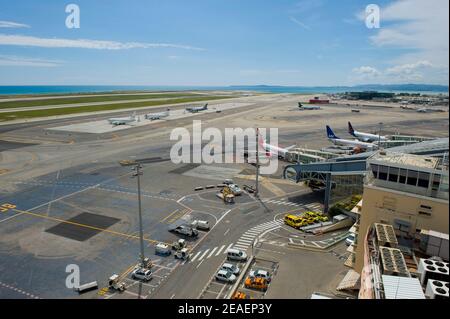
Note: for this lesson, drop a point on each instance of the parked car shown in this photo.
(185, 230)
(226, 276)
(350, 240)
(231, 268)
(236, 254)
(142, 274)
(236, 190)
(228, 182)
(256, 283)
(259, 273)
(201, 224)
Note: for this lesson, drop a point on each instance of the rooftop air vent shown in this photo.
(437, 289)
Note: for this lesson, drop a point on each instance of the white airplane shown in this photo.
(272, 150)
(197, 109)
(357, 145)
(157, 116)
(365, 137)
(123, 120)
(308, 107)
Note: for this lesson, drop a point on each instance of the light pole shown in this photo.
(138, 173)
(141, 230)
(257, 164)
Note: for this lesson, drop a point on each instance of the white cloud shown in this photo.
(407, 69)
(410, 73)
(20, 40)
(367, 71)
(296, 21)
(10, 24)
(7, 60)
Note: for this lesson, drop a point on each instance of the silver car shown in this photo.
(142, 274)
(226, 276)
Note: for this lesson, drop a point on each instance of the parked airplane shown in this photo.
(123, 120)
(357, 145)
(308, 107)
(157, 116)
(197, 109)
(364, 137)
(272, 150)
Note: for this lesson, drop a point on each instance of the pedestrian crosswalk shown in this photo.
(244, 242)
(309, 206)
(210, 252)
(247, 239)
(278, 202)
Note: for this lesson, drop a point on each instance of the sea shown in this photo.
(74, 89)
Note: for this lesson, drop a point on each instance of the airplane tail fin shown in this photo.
(206, 106)
(350, 129)
(330, 133)
(300, 105)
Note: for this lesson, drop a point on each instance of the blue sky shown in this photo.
(223, 42)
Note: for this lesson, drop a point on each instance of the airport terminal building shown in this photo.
(406, 191)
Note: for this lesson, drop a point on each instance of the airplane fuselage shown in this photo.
(367, 137)
(359, 144)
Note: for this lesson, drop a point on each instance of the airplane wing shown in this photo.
(290, 147)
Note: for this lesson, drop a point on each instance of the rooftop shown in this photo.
(406, 160)
(402, 288)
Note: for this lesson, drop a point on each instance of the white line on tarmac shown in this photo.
(203, 255)
(212, 252)
(195, 257)
(200, 263)
(221, 248)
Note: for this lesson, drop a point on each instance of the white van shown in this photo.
(201, 224)
(236, 254)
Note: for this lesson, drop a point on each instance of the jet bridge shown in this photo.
(356, 164)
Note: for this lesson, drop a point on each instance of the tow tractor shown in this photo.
(178, 245)
(115, 284)
(146, 263)
(226, 194)
(182, 254)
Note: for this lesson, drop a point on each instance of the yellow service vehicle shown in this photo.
(256, 283)
(294, 221)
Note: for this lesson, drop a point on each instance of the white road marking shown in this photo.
(220, 249)
(203, 255)
(195, 257)
(212, 252)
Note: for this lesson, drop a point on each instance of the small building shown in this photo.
(318, 100)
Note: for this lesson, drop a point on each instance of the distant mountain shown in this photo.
(336, 89)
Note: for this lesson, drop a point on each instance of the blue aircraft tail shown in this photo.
(350, 129)
(330, 133)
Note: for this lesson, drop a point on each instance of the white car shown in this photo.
(231, 268)
(258, 273)
(350, 240)
(142, 274)
(235, 189)
(226, 276)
